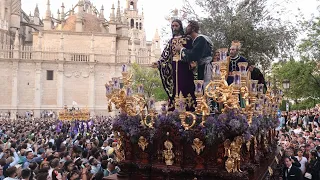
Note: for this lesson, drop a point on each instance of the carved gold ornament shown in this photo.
(270, 171)
(198, 145)
(233, 152)
(143, 143)
(183, 116)
(168, 153)
(152, 114)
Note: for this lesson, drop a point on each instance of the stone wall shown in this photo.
(49, 87)
(5, 84)
(26, 85)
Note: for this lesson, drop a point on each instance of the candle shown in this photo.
(181, 105)
(151, 104)
(221, 55)
(198, 84)
(254, 86)
(129, 91)
(116, 83)
(124, 68)
(269, 84)
(163, 107)
(107, 89)
(217, 70)
(140, 89)
(237, 78)
(243, 68)
(260, 88)
(257, 106)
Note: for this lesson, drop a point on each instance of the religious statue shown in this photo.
(234, 59)
(201, 52)
(233, 151)
(168, 153)
(177, 76)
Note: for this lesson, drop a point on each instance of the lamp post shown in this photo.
(286, 86)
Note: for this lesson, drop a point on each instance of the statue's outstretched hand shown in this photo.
(155, 65)
(193, 64)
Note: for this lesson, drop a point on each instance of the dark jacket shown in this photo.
(256, 74)
(293, 174)
(313, 168)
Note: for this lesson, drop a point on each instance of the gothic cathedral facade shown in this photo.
(55, 61)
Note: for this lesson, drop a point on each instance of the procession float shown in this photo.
(230, 143)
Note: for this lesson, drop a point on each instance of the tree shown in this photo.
(150, 80)
(302, 76)
(264, 36)
(310, 46)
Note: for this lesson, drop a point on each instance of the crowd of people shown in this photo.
(299, 139)
(59, 150)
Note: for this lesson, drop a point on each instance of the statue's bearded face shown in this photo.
(233, 51)
(175, 28)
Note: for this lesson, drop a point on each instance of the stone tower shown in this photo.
(15, 15)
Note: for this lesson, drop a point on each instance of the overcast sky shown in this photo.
(156, 10)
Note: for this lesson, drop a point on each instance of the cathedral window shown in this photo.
(137, 25)
(132, 23)
(49, 75)
(140, 26)
(131, 5)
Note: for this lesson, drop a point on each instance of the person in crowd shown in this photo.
(300, 140)
(291, 172)
(45, 148)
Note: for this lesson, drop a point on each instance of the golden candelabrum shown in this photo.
(149, 119)
(180, 105)
(123, 97)
(243, 94)
(74, 114)
(219, 90)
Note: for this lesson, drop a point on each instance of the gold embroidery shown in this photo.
(189, 101)
(177, 42)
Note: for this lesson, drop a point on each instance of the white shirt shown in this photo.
(9, 178)
(303, 162)
(297, 131)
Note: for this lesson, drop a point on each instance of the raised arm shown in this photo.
(194, 54)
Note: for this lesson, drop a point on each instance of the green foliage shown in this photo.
(305, 104)
(263, 34)
(310, 46)
(151, 81)
(304, 81)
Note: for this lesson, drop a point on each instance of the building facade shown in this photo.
(56, 61)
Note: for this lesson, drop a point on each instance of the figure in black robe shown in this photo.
(233, 66)
(169, 65)
(202, 54)
(235, 58)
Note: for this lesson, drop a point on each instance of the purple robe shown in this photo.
(167, 67)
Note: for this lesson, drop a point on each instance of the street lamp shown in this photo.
(286, 86)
